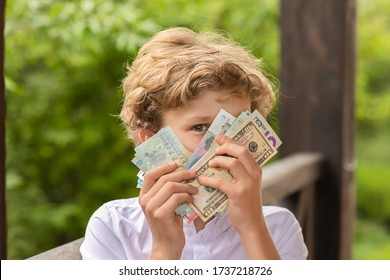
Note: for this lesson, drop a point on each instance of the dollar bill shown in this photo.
(267, 130)
(221, 120)
(251, 135)
(230, 128)
(227, 129)
(209, 201)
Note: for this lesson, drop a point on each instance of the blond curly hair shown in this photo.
(177, 65)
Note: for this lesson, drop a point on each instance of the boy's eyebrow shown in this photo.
(200, 119)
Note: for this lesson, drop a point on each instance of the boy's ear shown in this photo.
(144, 134)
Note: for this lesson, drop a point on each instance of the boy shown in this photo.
(183, 79)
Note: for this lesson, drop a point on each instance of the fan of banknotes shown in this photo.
(248, 129)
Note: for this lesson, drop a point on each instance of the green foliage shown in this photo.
(373, 132)
(373, 193)
(372, 241)
(373, 85)
(66, 151)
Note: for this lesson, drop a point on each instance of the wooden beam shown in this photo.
(290, 175)
(3, 224)
(68, 251)
(317, 109)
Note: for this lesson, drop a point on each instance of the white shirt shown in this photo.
(119, 230)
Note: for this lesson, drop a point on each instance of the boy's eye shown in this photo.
(200, 127)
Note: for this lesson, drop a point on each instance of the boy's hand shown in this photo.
(244, 192)
(162, 192)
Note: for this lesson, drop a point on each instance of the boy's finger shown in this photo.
(151, 177)
(215, 183)
(222, 139)
(235, 167)
(239, 152)
(154, 186)
(174, 201)
(168, 190)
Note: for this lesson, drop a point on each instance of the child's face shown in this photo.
(191, 121)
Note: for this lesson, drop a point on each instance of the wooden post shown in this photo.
(3, 224)
(317, 109)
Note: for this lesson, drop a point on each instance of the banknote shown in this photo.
(251, 135)
(221, 120)
(230, 128)
(209, 201)
(267, 130)
(163, 147)
(186, 212)
(140, 180)
(227, 129)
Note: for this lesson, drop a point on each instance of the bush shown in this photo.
(373, 193)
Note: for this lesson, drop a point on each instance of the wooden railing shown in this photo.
(291, 182)
(295, 175)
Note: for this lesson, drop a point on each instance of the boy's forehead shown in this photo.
(223, 94)
(206, 106)
(226, 96)
(209, 97)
